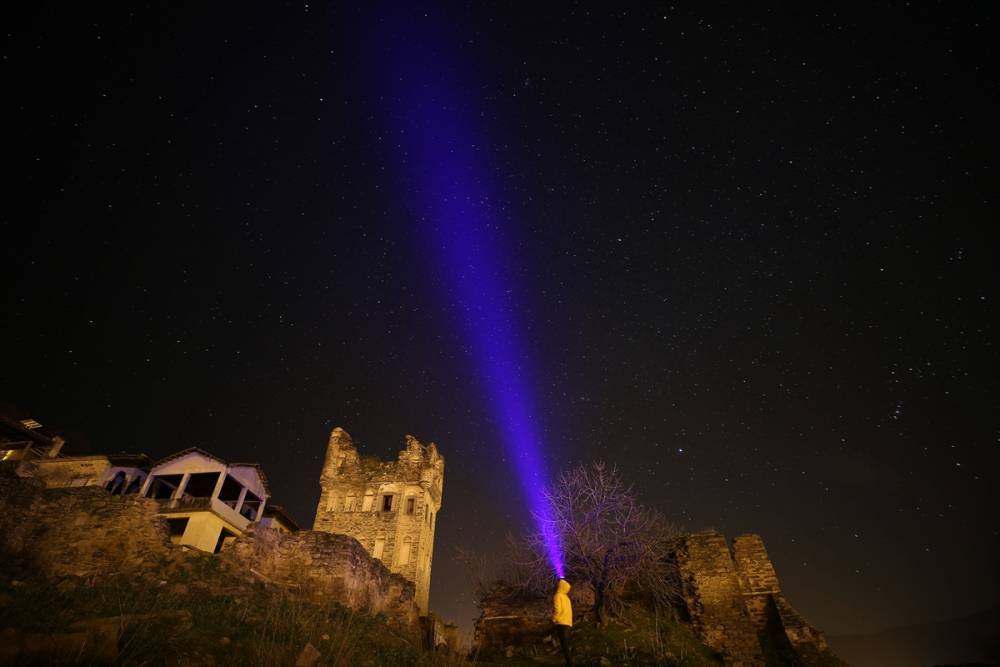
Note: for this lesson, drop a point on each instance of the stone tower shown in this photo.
(389, 507)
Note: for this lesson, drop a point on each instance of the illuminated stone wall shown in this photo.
(79, 531)
(736, 605)
(398, 531)
(714, 599)
(325, 566)
(778, 625)
(85, 532)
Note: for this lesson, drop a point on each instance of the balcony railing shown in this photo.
(185, 504)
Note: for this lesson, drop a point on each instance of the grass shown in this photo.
(638, 638)
(173, 620)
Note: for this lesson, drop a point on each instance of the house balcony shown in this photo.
(185, 504)
(223, 509)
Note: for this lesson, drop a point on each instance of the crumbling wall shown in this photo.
(714, 599)
(774, 618)
(737, 607)
(401, 539)
(84, 531)
(79, 531)
(325, 566)
(758, 579)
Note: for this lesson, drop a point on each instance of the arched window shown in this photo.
(115, 486)
(134, 486)
(404, 552)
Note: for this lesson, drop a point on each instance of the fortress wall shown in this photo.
(325, 566)
(80, 531)
(84, 531)
(403, 541)
(714, 599)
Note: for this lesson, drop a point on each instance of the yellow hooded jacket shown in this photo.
(562, 608)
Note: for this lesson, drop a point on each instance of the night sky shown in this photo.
(746, 256)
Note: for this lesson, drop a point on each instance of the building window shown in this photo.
(115, 486)
(331, 503)
(411, 505)
(350, 503)
(177, 528)
(163, 486)
(251, 506)
(404, 553)
(368, 501)
(230, 492)
(379, 547)
(134, 486)
(202, 484)
(386, 503)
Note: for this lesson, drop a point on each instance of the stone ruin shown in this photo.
(389, 507)
(731, 598)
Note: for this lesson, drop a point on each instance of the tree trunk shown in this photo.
(600, 610)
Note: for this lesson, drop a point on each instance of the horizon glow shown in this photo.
(441, 154)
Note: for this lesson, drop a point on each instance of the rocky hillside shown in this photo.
(93, 579)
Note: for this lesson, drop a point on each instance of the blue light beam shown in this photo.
(441, 154)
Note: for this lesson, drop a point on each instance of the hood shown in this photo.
(563, 587)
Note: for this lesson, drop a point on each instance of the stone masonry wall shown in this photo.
(714, 599)
(758, 580)
(325, 566)
(79, 531)
(768, 607)
(84, 531)
(403, 541)
(737, 607)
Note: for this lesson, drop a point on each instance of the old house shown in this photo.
(389, 507)
(38, 454)
(206, 500)
(120, 474)
(26, 440)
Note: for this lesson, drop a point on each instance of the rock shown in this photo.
(308, 657)
(509, 652)
(325, 637)
(225, 641)
(605, 662)
(179, 589)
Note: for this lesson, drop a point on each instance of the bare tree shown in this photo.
(609, 541)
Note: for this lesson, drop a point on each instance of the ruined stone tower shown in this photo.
(389, 507)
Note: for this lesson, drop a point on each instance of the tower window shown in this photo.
(350, 504)
(411, 505)
(404, 553)
(386, 503)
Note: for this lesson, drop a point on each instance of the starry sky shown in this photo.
(745, 250)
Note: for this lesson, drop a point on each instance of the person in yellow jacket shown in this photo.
(562, 616)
